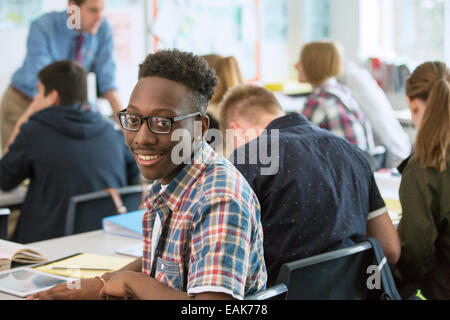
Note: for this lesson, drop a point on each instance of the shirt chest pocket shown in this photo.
(168, 272)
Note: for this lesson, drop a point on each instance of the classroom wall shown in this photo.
(14, 45)
(12, 54)
(277, 58)
(344, 26)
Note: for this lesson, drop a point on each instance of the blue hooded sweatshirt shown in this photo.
(65, 151)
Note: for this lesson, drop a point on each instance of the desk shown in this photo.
(13, 199)
(96, 242)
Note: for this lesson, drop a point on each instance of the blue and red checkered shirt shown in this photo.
(332, 107)
(211, 239)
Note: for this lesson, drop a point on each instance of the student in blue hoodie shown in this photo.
(65, 150)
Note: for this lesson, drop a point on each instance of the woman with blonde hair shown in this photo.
(229, 74)
(331, 105)
(425, 188)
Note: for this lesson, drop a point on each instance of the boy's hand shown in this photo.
(115, 287)
(85, 289)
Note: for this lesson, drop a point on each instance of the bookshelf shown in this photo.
(391, 78)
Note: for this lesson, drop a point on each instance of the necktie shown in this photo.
(78, 53)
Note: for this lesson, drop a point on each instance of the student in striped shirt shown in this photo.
(202, 231)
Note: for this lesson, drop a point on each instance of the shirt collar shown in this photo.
(190, 173)
(332, 82)
(72, 33)
(288, 120)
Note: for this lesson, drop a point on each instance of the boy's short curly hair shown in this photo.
(185, 68)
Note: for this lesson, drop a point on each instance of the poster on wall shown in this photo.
(19, 13)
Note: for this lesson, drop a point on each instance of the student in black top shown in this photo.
(64, 150)
(317, 192)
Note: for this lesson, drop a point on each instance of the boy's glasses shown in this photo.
(156, 124)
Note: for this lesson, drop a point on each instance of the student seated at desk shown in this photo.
(425, 188)
(202, 231)
(331, 105)
(64, 150)
(321, 193)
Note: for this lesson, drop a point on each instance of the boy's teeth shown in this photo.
(148, 158)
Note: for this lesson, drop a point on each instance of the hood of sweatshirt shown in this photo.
(72, 121)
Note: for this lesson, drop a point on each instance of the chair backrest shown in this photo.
(85, 212)
(4, 216)
(277, 292)
(359, 272)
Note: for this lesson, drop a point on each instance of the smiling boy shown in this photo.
(202, 229)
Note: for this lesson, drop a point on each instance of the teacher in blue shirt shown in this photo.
(80, 33)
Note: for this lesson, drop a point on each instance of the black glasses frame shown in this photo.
(172, 120)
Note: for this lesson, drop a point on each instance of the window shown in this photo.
(405, 31)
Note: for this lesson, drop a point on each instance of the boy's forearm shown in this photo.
(135, 266)
(143, 287)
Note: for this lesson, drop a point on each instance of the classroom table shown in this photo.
(99, 242)
(13, 199)
(96, 242)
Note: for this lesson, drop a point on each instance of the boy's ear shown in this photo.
(205, 124)
(235, 125)
(53, 97)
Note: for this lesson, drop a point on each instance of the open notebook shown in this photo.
(16, 252)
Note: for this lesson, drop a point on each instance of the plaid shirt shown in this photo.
(332, 107)
(213, 240)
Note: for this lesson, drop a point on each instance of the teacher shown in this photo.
(82, 34)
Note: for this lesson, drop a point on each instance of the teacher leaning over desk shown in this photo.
(81, 33)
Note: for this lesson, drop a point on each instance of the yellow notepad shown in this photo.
(85, 265)
(394, 207)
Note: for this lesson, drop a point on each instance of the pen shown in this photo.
(75, 268)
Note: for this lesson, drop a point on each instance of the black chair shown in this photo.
(360, 272)
(277, 292)
(85, 212)
(4, 216)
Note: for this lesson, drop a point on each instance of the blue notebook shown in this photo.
(129, 224)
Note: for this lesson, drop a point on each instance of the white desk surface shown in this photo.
(103, 243)
(96, 242)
